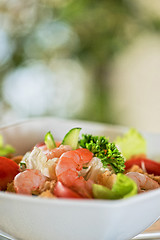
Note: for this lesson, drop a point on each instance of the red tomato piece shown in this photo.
(151, 166)
(62, 191)
(8, 170)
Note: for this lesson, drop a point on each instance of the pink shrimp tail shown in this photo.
(28, 181)
(56, 152)
(67, 171)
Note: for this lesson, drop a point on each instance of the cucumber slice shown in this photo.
(71, 138)
(49, 140)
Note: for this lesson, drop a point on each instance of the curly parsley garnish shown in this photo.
(105, 150)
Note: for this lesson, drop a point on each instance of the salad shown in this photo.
(80, 167)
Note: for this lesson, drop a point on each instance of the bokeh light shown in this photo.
(36, 89)
(135, 80)
(49, 38)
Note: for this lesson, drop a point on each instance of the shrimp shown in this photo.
(143, 182)
(68, 166)
(56, 152)
(28, 181)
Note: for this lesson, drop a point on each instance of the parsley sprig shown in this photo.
(105, 150)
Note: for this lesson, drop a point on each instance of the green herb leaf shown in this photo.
(105, 150)
(22, 165)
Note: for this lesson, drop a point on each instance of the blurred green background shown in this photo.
(81, 59)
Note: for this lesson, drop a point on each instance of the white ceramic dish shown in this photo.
(32, 218)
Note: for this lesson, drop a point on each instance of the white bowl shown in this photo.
(32, 218)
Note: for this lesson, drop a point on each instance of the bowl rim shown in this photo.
(15, 123)
(100, 203)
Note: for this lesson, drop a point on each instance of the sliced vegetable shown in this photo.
(62, 191)
(132, 143)
(71, 138)
(102, 192)
(8, 170)
(123, 187)
(150, 166)
(5, 150)
(49, 141)
(103, 149)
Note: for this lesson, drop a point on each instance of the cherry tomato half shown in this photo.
(151, 166)
(8, 170)
(62, 191)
